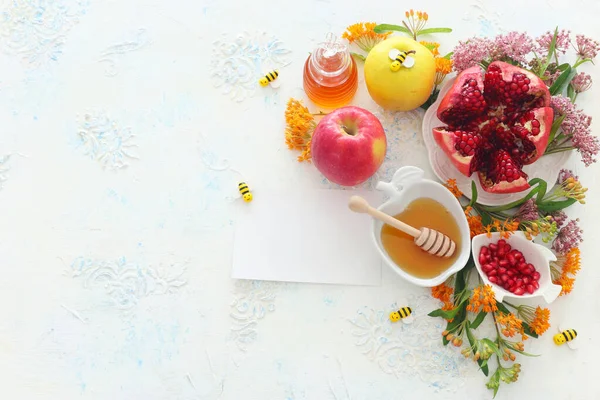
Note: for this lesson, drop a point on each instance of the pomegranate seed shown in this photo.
(504, 277)
(519, 282)
(501, 243)
(536, 285)
(503, 263)
(536, 276)
(511, 272)
(507, 247)
(530, 289)
(518, 255)
(502, 270)
(511, 259)
(482, 258)
(520, 291)
(493, 279)
(511, 282)
(526, 280)
(493, 272)
(493, 247)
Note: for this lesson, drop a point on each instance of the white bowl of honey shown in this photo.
(421, 202)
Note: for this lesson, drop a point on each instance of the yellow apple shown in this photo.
(406, 88)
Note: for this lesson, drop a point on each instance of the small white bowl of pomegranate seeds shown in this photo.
(515, 267)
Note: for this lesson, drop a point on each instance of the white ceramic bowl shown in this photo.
(535, 254)
(408, 184)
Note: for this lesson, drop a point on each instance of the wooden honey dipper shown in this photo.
(432, 241)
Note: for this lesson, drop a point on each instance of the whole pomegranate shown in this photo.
(498, 120)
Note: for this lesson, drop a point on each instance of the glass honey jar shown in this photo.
(330, 74)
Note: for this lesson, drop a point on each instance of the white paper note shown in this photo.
(307, 235)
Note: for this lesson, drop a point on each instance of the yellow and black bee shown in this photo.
(399, 59)
(245, 192)
(565, 336)
(269, 77)
(402, 313)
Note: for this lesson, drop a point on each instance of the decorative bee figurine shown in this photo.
(268, 78)
(245, 192)
(402, 314)
(565, 336)
(401, 58)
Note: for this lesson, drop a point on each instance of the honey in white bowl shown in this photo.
(401, 247)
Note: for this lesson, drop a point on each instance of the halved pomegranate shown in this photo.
(497, 121)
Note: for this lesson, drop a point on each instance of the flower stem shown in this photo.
(559, 149)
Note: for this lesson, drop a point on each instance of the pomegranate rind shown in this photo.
(445, 139)
(500, 104)
(454, 95)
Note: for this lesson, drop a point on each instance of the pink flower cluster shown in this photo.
(565, 174)
(560, 217)
(581, 82)
(569, 236)
(586, 47)
(576, 126)
(563, 41)
(514, 45)
(528, 211)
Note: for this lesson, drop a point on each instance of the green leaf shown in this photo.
(381, 28)
(570, 93)
(562, 81)
(449, 55)
(555, 125)
(502, 308)
(563, 67)
(525, 353)
(478, 320)
(542, 186)
(450, 314)
(473, 193)
(552, 48)
(360, 56)
(551, 206)
(434, 30)
(493, 346)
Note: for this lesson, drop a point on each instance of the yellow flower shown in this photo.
(510, 325)
(483, 297)
(451, 186)
(300, 124)
(415, 24)
(363, 34)
(541, 321)
(432, 46)
(443, 67)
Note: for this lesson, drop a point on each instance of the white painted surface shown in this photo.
(116, 281)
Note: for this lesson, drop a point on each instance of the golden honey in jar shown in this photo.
(330, 75)
(401, 247)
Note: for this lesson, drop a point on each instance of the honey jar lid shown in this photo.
(331, 61)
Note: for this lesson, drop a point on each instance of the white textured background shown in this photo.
(116, 237)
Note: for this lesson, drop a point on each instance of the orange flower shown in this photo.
(566, 282)
(451, 186)
(510, 325)
(443, 293)
(572, 261)
(541, 321)
(300, 125)
(483, 297)
(433, 47)
(364, 35)
(443, 67)
(475, 225)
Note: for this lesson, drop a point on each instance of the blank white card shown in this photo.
(306, 235)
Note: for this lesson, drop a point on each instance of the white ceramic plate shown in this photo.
(546, 168)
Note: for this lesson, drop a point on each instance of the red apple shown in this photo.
(348, 145)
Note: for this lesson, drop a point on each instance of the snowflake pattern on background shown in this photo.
(36, 29)
(237, 64)
(111, 55)
(404, 142)
(253, 300)
(126, 282)
(105, 142)
(4, 168)
(413, 350)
